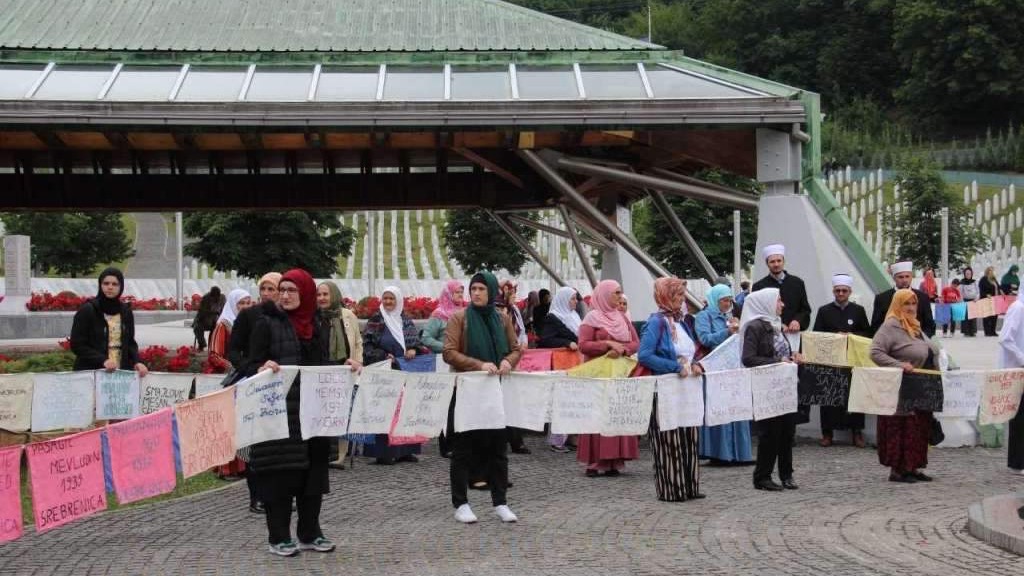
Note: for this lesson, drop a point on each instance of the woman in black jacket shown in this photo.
(988, 287)
(763, 344)
(561, 325)
(287, 334)
(103, 331)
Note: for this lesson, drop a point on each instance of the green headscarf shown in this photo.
(485, 331)
(1010, 278)
(338, 349)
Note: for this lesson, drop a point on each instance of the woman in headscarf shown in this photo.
(539, 312)
(969, 292)
(900, 343)
(561, 329)
(291, 468)
(103, 330)
(1010, 283)
(238, 300)
(390, 335)
(727, 442)
(763, 343)
(607, 331)
(345, 345)
(532, 301)
(1011, 355)
(988, 287)
(480, 338)
(507, 302)
(452, 299)
(669, 346)
(241, 331)
(929, 286)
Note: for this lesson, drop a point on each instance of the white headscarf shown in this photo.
(229, 312)
(760, 305)
(393, 319)
(561, 310)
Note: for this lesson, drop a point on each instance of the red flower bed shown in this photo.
(69, 302)
(416, 308)
(183, 359)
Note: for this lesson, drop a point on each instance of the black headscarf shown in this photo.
(110, 305)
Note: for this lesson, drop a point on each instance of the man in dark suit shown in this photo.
(843, 317)
(902, 275)
(796, 311)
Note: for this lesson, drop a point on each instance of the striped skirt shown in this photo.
(676, 473)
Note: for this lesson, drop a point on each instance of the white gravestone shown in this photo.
(17, 273)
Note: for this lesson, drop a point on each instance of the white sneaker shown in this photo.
(465, 514)
(505, 513)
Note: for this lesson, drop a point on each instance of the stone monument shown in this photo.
(17, 274)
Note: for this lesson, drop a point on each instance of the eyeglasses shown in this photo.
(841, 290)
(288, 290)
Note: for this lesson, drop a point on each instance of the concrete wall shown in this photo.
(58, 324)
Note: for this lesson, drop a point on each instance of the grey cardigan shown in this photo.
(892, 346)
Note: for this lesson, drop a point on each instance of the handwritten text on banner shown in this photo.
(325, 401)
(117, 394)
(261, 408)
(62, 400)
(67, 479)
(206, 431)
(142, 456)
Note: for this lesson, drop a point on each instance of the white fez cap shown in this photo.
(842, 280)
(898, 267)
(774, 249)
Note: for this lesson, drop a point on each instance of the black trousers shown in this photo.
(483, 448)
(515, 437)
(279, 518)
(969, 327)
(1015, 446)
(775, 442)
(837, 418)
(989, 325)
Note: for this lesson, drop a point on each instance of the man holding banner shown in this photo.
(843, 317)
(902, 276)
(479, 338)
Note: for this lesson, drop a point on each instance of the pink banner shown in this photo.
(67, 479)
(10, 494)
(142, 456)
(535, 360)
(206, 431)
(1003, 303)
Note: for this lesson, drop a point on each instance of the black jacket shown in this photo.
(988, 288)
(794, 298)
(241, 333)
(554, 334)
(759, 345)
(89, 337)
(853, 319)
(924, 311)
(273, 338)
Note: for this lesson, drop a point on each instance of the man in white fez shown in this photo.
(842, 317)
(902, 275)
(796, 311)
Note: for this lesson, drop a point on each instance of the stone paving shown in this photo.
(845, 520)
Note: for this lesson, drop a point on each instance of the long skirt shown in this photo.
(728, 442)
(607, 452)
(676, 473)
(903, 441)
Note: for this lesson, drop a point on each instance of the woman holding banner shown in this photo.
(607, 331)
(561, 329)
(669, 346)
(345, 345)
(291, 467)
(764, 344)
(103, 331)
(900, 343)
(715, 324)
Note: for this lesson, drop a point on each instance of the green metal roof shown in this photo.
(294, 26)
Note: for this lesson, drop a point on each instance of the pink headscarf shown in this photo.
(606, 315)
(446, 306)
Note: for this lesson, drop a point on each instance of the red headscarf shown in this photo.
(302, 317)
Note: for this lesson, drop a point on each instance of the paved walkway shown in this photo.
(845, 520)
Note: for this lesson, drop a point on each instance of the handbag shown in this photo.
(936, 436)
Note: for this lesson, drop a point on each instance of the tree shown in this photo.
(710, 225)
(917, 229)
(253, 243)
(476, 242)
(73, 243)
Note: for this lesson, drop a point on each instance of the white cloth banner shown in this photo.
(479, 403)
(961, 393)
(774, 390)
(728, 397)
(577, 406)
(161, 390)
(326, 400)
(527, 399)
(208, 383)
(425, 404)
(680, 402)
(627, 406)
(794, 341)
(725, 356)
(261, 408)
(376, 401)
(117, 394)
(875, 390)
(16, 402)
(62, 400)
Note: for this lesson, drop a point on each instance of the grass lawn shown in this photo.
(194, 485)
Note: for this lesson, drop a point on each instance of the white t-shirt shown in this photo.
(683, 343)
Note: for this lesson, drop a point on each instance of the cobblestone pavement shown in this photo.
(845, 520)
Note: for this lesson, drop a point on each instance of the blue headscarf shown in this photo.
(717, 292)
